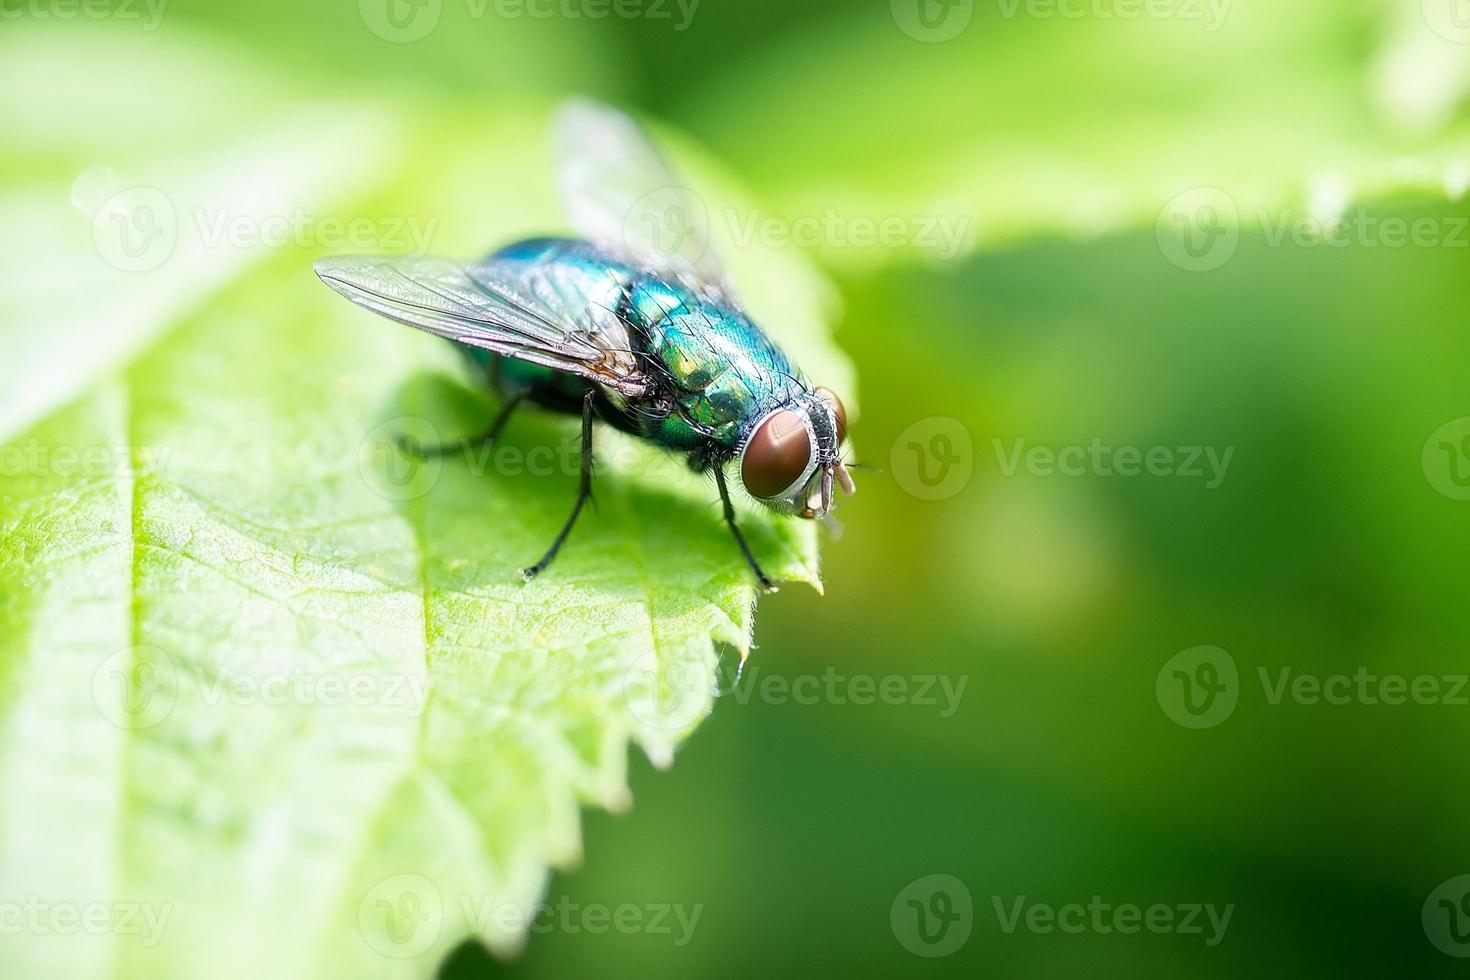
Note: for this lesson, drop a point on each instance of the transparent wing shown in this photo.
(622, 195)
(488, 307)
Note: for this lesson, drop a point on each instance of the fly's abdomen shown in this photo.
(571, 280)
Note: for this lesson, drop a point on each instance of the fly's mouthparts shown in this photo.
(844, 478)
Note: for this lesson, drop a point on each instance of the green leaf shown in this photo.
(274, 701)
(1036, 121)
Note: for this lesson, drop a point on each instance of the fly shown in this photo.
(622, 326)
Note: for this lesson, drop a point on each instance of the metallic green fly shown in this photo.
(624, 325)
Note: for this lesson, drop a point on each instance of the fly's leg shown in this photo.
(410, 445)
(766, 583)
(584, 490)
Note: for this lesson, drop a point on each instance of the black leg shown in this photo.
(409, 445)
(739, 538)
(584, 489)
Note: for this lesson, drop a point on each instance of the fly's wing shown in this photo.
(485, 306)
(624, 197)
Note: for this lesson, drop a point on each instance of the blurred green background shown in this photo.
(1056, 600)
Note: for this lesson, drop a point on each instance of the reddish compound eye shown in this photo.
(838, 409)
(776, 456)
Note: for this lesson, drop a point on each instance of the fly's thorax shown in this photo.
(718, 366)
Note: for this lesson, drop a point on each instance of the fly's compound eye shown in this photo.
(838, 410)
(777, 456)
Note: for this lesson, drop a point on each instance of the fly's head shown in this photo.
(791, 457)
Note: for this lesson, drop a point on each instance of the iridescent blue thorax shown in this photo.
(715, 372)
